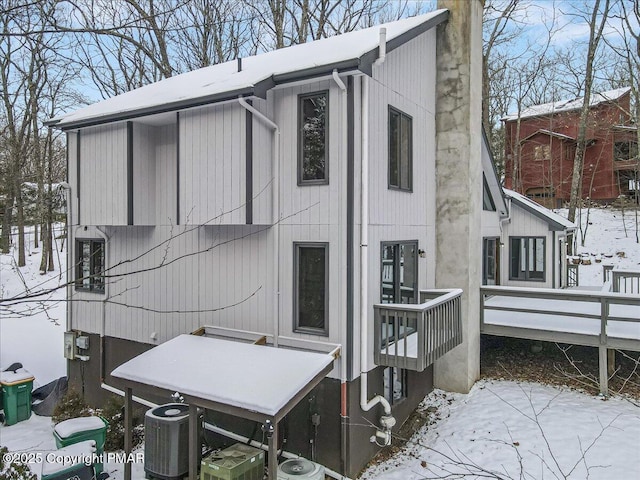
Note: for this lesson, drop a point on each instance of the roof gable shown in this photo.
(568, 105)
(352, 51)
(556, 222)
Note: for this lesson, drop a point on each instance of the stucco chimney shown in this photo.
(459, 181)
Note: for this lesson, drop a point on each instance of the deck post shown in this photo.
(604, 379)
(128, 431)
(611, 369)
(194, 442)
(272, 435)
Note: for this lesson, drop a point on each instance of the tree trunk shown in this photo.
(578, 163)
(22, 261)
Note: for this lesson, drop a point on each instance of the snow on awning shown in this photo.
(252, 378)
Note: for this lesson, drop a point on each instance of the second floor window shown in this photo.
(90, 265)
(400, 150)
(312, 139)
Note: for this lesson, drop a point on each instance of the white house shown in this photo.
(277, 199)
(523, 243)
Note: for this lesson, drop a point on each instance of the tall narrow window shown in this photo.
(490, 261)
(90, 265)
(527, 258)
(311, 297)
(400, 150)
(312, 139)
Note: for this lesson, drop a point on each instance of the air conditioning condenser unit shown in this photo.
(300, 469)
(238, 462)
(166, 441)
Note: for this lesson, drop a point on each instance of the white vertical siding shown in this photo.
(312, 213)
(262, 166)
(103, 175)
(405, 81)
(166, 158)
(72, 173)
(212, 165)
(144, 175)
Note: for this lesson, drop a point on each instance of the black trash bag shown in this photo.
(45, 398)
(13, 367)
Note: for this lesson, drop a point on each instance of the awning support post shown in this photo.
(271, 429)
(128, 431)
(194, 442)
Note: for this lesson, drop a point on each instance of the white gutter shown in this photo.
(364, 271)
(226, 433)
(275, 209)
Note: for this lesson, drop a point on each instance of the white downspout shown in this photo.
(275, 208)
(70, 269)
(382, 49)
(387, 421)
(364, 270)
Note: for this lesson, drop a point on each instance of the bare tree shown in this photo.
(597, 22)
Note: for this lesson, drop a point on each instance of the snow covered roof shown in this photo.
(555, 221)
(253, 378)
(550, 133)
(351, 51)
(568, 105)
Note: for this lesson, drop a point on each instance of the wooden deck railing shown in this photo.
(599, 319)
(413, 336)
(625, 281)
(573, 275)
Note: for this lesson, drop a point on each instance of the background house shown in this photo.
(540, 148)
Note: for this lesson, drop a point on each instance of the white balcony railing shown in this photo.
(413, 336)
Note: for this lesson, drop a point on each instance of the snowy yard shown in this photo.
(501, 429)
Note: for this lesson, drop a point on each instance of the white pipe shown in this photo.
(70, 268)
(364, 271)
(139, 400)
(275, 208)
(226, 433)
(382, 49)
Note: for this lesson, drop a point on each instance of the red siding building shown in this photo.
(540, 146)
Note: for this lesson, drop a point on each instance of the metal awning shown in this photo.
(256, 382)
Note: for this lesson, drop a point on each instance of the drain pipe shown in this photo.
(387, 420)
(382, 47)
(103, 324)
(275, 208)
(70, 267)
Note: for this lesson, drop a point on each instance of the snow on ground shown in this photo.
(520, 430)
(608, 232)
(33, 334)
(493, 428)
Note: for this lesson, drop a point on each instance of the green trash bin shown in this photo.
(76, 430)
(16, 395)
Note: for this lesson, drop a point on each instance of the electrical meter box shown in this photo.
(82, 342)
(70, 345)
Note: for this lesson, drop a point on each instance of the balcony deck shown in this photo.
(413, 336)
